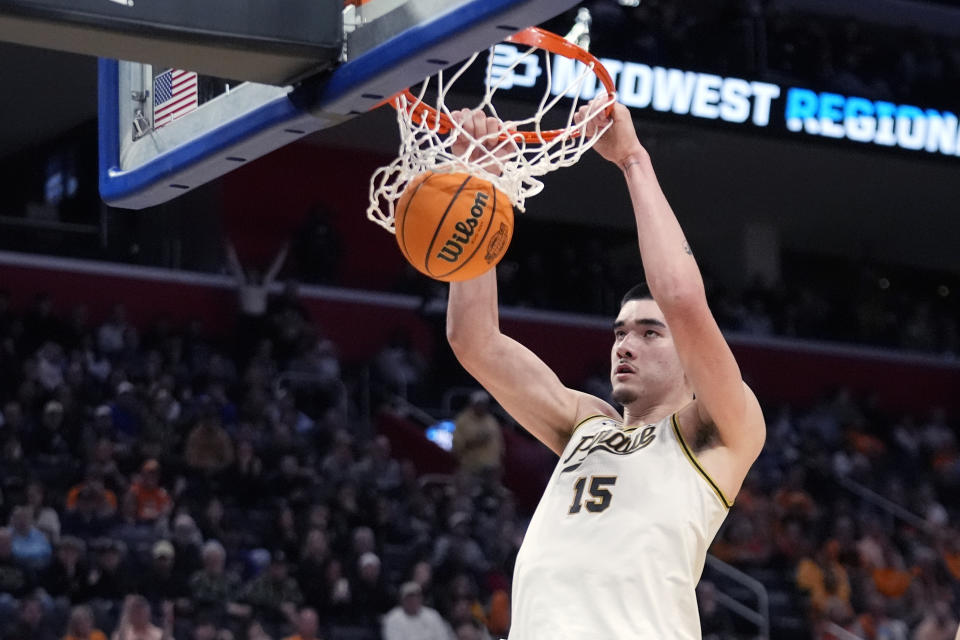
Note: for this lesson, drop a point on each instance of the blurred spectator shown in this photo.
(876, 623)
(30, 623)
(399, 366)
(255, 632)
(286, 535)
(312, 566)
(291, 481)
(110, 334)
(206, 629)
(80, 625)
(411, 620)
(477, 440)
(307, 624)
(371, 597)
(456, 551)
(253, 287)
(470, 630)
(153, 501)
(48, 441)
(30, 547)
(186, 541)
(377, 468)
(212, 588)
(108, 579)
(825, 579)
(16, 580)
(126, 414)
(129, 529)
(938, 623)
(89, 514)
(104, 500)
(209, 448)
(135, 621)
(274, 594)
(66, 577)
(160, 582)
(245, 474)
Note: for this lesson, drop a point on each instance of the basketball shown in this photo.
(453, 226)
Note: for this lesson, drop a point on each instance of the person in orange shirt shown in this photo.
(80, 625)
(153, 501)
(307, 626)
(106, 499)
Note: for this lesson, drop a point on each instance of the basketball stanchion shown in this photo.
(449, 196)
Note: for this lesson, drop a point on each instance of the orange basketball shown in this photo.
(453, 226)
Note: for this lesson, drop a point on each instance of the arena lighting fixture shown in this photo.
(629, 3)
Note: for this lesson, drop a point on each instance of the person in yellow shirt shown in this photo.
(477, 441)
(824, 579)
(80, 625)
(308, 625)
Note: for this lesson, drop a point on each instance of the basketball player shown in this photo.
(618, 542)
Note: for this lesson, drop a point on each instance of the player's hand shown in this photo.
(619, 143)
(480, 132)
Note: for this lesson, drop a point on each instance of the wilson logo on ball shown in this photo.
(463, 230)
(497, 243)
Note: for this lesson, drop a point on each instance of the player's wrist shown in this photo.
(636, 158)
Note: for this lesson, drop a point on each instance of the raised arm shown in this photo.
(520, 381)
(722, 399)
(234, 266)
(277, 264)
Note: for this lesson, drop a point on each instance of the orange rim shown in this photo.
(532, 37)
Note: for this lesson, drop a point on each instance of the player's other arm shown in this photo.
(520, 381)
(676, 284)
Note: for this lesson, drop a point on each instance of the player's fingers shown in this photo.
(479, 121)
(493, 132)
(582, 116)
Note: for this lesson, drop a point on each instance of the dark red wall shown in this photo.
(265, 204)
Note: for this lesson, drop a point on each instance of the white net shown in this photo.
(513, 163)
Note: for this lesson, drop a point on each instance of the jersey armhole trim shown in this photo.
(585, 420)
(696, 463)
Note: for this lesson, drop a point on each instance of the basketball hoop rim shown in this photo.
(531, 37)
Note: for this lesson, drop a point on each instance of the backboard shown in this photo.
(165, 130)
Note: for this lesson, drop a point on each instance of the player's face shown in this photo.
(643, 359)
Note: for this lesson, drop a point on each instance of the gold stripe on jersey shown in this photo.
(696, 463)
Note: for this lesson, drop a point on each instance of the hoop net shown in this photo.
(522, 150)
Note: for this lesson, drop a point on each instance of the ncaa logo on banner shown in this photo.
(510, 68)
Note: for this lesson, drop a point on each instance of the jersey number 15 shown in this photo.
(598, 491)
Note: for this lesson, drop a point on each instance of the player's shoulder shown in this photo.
(589, 407)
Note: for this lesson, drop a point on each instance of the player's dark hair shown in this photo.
(637, 292)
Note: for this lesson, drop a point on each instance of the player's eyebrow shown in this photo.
(642, 321)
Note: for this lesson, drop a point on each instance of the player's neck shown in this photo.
(642, 411)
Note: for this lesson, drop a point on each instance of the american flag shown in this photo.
(174, 94)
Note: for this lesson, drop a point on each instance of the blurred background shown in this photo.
(240, 405)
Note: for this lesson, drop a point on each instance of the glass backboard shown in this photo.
(165, 130)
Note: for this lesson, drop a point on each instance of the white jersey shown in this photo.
(617, 544)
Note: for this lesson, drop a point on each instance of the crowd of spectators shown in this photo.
(158, 483)
(859, 566)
